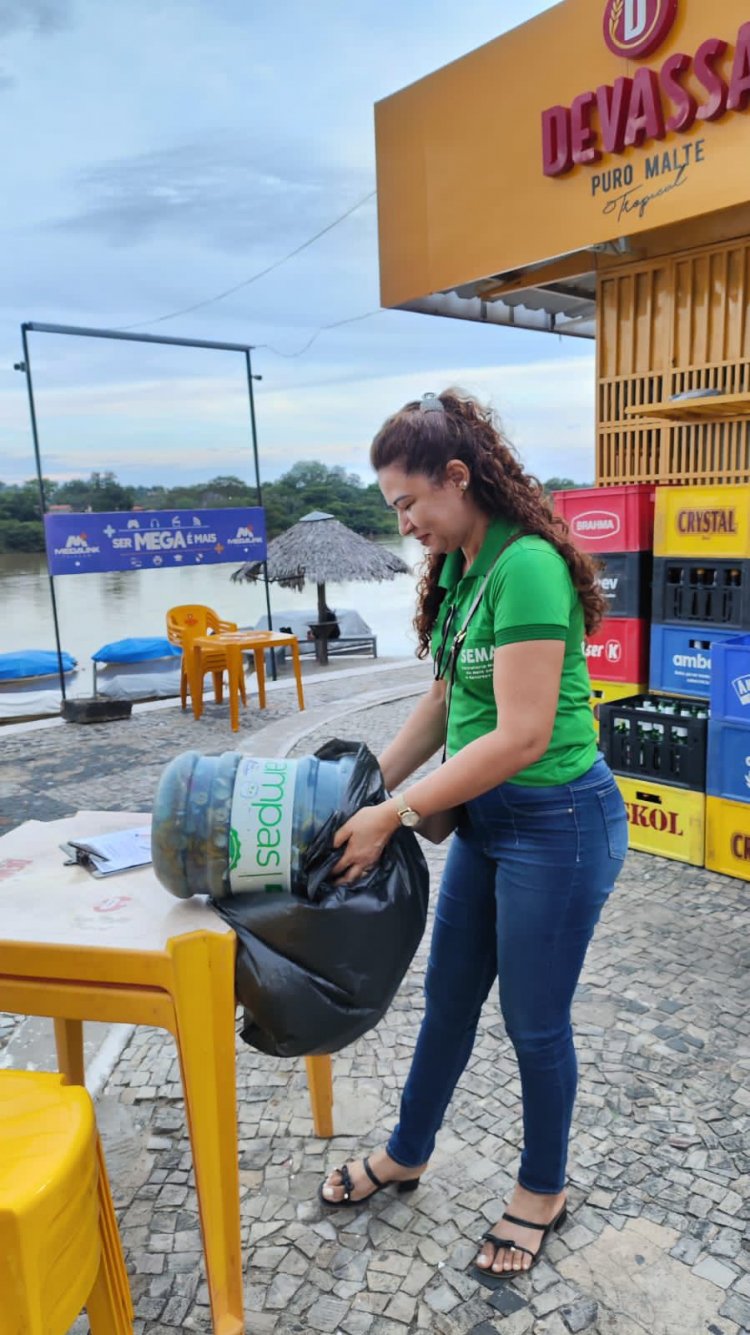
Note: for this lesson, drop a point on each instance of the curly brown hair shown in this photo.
(425, 442)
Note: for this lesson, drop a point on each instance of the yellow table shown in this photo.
(234, 643)
(122, 949)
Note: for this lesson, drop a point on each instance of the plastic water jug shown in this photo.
(225, 825)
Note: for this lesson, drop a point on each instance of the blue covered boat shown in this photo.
(27, 667)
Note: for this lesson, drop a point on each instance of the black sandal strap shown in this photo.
(346, 1181)
(372, 1176)
(525, 1223)
(506, 1244)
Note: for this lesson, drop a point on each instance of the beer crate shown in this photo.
(730, 680)
(728, 769)
(681, 659)
(618, 652)
(609, 519)
(625, 578)
(728, 837)
(656, 738)
(602, 692)
(670, 822)
(690, 590)
(703, 521)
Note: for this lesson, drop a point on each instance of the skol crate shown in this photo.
(689, 590)
(618, 652)
(609, 519)
(602, 692)
(670, 822)
(656, 738)
(681, 659)
(730, 680)
(728, 837)
(625, 578)
(728, 770)
(698, 521)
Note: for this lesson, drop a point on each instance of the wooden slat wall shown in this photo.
(665, 326)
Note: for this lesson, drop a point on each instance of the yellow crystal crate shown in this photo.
(602, 692)
(702, 521)
(728, 837)
(670, 822)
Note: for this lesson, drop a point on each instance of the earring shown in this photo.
(463, 485)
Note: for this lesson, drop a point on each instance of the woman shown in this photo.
(504, 603)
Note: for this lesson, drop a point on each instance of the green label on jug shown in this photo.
(260, 839)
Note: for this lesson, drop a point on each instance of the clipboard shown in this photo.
(110, 854)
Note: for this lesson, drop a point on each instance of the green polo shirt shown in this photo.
(529, 596)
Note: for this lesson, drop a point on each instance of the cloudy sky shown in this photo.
(158, 152)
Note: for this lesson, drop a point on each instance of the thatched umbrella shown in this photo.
(318, 549)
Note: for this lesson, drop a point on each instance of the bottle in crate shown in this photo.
(603, 692)
(697, 591)
(656, 739)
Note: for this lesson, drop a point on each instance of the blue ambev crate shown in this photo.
(728, 772)
(730, 680)
(681, 658)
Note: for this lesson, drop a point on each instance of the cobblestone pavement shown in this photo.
(658, 1238)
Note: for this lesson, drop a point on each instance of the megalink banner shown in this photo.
(81, 544)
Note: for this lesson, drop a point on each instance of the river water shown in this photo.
(95, 609)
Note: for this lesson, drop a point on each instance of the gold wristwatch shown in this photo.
(406, 814)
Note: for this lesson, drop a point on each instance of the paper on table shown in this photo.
(106, 854)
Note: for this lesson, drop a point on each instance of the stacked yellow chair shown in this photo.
(59, 1246)
(186, 622)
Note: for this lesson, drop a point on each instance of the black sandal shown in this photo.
(507, 1244)
(346, 1201)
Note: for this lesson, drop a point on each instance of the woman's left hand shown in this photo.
(365, 835)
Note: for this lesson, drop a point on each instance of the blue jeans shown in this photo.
(526, 876)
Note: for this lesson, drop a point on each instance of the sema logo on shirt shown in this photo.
(476, 662)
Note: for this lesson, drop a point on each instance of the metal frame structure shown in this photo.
(119, 335)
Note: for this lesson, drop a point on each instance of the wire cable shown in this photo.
(220, 296)
(336, 324)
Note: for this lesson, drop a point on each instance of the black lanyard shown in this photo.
(460, 636)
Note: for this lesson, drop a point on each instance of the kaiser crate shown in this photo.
(609, 519)
(618, 651)
(728, 837)
(681, 659)
(659, 739)
(670, 822)
(696, 589)
(730, 680)
(703, 521)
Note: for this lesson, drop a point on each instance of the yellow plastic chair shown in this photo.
(56, 1250)
(186, 623)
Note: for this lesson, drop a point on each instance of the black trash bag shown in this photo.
(314, 973)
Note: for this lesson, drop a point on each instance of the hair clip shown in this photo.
(430, 403)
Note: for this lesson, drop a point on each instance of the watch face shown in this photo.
(409, 818)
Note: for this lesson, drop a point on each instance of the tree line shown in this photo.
(305, 487)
